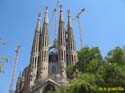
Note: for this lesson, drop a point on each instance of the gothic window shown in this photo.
(62, 55)
(61, 38)
(45, 41)
(72, 58)
(71, 45)
(44, 56)
(32, 60)
(35, 62)
(59, 54)
(41, 56)
(49, 88)
(53, 69)
(38, 61)
(67, 58)
(37, 44)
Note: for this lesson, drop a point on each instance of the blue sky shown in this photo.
(103, 25)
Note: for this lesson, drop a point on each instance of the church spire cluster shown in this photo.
(62, 44)
(35, 53)
(47, 66)
(44, 43)
(71, 46)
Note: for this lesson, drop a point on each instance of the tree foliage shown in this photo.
(2, 60)
(89, 58)
(95, 72)
(84, 82)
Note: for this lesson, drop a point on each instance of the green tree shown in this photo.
(2, 60)
(70, 71)
(112, 72)
(89, 59)
(84, 82)
(116, 55)
(92, 71)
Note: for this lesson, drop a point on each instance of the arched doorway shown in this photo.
(49, 89)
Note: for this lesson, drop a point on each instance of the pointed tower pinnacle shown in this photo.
(61, 14)
(71, 47)
(35, 53)
(44, 55)
(62, 45)
(38, 23)
(46, 20)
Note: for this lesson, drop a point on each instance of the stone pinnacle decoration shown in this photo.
(35, 53)
(71, 48)
(43, 61)
(62, 45)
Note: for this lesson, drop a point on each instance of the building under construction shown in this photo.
(47, 69)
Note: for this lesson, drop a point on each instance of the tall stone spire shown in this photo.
(18, 84)
(71, 46)
(62, 45)
(35, 53)
(44, 55)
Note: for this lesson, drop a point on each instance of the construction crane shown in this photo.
(14, 70)
(80, 30)
(57, 3)
(55, 22)
(54, 10)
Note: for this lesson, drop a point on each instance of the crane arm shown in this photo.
(14, 68)
(82, 10)
(80, 30)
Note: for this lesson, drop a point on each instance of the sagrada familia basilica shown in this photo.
(47, 69)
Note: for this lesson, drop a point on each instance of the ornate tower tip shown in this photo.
(83, 9)
(54, 10)
(68, 11)
(39, 14)
(46, 10)
(61, 7)
(46, 7)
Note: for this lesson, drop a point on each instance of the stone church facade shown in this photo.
(47, 69)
